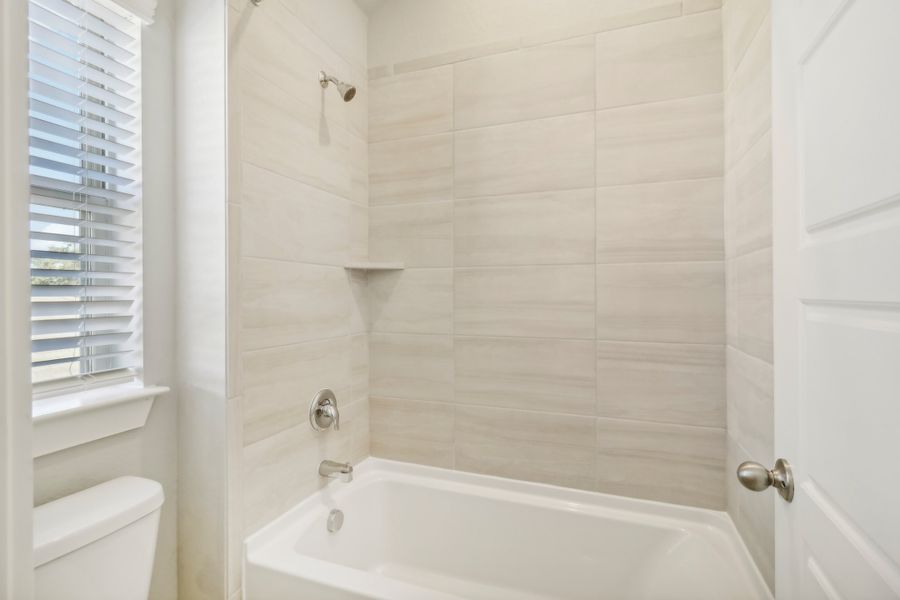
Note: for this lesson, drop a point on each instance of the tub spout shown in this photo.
(336, 470)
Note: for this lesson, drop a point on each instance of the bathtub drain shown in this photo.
(335, 520)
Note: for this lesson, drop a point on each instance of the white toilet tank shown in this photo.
(98, 544)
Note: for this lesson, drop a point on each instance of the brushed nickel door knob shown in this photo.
(756, 477)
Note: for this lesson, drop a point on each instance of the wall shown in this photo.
(201, 298)
(152, 450)
(556, 196)
(748, 211)
(16, 490)
(298, 213)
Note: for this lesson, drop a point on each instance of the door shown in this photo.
(836, 128)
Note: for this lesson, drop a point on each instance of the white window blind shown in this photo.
(84, 131)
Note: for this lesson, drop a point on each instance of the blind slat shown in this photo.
(84, 121)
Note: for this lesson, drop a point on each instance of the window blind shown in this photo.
(84, 139)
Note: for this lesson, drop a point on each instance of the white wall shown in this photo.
(201, 296)
(152, 450)
(15, 387)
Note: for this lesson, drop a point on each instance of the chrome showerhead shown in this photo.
(346, 90)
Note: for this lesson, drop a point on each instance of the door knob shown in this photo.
(756, 477)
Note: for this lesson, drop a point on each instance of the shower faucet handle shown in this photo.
(323, 411)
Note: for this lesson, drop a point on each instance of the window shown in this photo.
(84, 133)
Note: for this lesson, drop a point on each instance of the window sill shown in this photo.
(70, 420)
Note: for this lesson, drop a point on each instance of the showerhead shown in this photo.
(346, 90)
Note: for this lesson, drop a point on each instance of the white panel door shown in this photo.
(836, 136)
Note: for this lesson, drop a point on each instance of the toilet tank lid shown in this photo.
(72, 522)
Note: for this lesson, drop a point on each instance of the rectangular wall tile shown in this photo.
(419, 235)
(660, 222)
(287, 220)
(695, 6)
(741, 20)
(412, 301)
(279, 382)
(412, 367)
(287, 303)
(547, 448)
(416, 169)
(753, 515)
(675, 58)
(534, 374)
(669, 383)
(286, 136)
(525, 229)
(660, 302)
(662, 141)
(751, 405)
(657, 461)
(748, 200)
(752, 331)
(525, 301)
(412, 431)
(532, 156)
(748, 97)
(411, 104)
(531, 83)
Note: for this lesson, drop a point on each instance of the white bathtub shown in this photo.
(420, 533)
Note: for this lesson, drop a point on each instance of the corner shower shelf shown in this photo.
(374, 266)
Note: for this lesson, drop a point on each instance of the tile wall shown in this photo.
(748, 246)
(558, 205)
(298, 196)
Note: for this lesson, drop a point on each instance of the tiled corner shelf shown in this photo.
(374, 266)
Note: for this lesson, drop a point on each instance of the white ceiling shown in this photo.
(369, 6)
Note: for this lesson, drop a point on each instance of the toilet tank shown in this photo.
(98, 544)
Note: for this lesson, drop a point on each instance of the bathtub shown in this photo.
(421, 533)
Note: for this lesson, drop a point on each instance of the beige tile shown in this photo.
(657, 461)
(553, 302)
(418, 235)
(695, 6)
(380, 71)
(753, 515)
(750, 404)
(667, 383)
(534, 374)
(525, 229)
(539, 81)
(748, 98)
(279, 383)
(281, 470)
(287, 220)
(748, 200)
(411, 104)
(753, 304)
(668, 59)
(412, 367)
(627, 14)
(359, 367)
(286, 136)
(411, 170)
(741, 20)
(447, 58)
(275, 45)
(543, 447)
(532, 156)
(286, 303)
(359, 233)
(659, 302)
(412, 431)
(411, 301)
(660, 222)
(662, 141)
(360, 320)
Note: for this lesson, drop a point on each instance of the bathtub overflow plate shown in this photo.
(335, 520)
